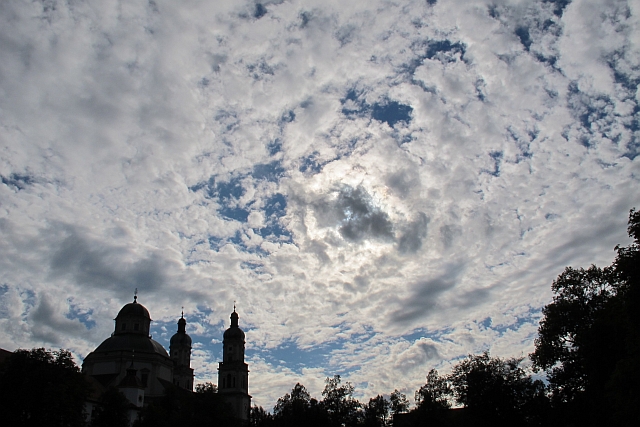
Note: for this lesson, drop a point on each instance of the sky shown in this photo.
(382, 187)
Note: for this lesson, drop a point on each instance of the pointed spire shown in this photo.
(182, 323)
(234, 317)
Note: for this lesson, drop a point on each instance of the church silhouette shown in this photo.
(142, 369)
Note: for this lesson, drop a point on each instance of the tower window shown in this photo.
(145, 376)
(136, 326)
(124, 326)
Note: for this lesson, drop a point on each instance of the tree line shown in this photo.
(585, 371)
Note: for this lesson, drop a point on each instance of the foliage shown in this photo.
(399, 402)
(434, 395)
(42, 387)
(496, 391)
(298, 408)
(588, 340)
(338, 401)
(258, 417)
(376, 412)
(182, 407)
(113, 411)
(206, 388)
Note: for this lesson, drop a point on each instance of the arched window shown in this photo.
(234, 381)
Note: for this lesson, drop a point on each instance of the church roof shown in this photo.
(128, 342)
(234, 332)
(134, 309)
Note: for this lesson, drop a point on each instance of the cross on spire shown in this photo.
(135, 295)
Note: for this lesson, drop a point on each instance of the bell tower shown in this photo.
(180, 353)
(233, 373)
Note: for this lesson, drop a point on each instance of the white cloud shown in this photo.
(204, 155)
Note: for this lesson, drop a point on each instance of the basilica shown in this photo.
(142, 369)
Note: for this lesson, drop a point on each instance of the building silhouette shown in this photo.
(142, 370)
(233, 372)
(180, 351)
(131, 347)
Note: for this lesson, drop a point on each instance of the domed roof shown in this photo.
(233, 333)
(134, 309)
(128, 342)
(180, 339)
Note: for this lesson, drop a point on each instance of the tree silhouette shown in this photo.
(182, 407)
(589, 341)
(113, 410)
(42, 387)
(495, 391)
(295, 408)
(376, 412)
(399, 402)
(338, 401)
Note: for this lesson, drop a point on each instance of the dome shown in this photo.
(134, 309)
(180, 339)
(128, 342)
(233, 333)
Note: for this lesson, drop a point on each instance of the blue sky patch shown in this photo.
(497, 159)
(392, 113)
(310, 164)
(274, 209)
(386, 111)
(289, 355)
(274, 147)
(269, 171)
(17, 181)
(525, 37)
(226, 190)
(236, 214)
(83, 317)
(444, 50)
(354, 105)
(260, 11)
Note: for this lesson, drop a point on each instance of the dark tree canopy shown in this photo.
(399, 402)
(113, 410)
(588, 341)
(205, 407)
(42, 387)
(496, 391)
(435, 394)
(298, 408)
(339, 403)
(376, 412)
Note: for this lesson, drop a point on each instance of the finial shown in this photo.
(135, 295)
(182, 312)
(234, 306)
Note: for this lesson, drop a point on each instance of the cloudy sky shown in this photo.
(383, 186)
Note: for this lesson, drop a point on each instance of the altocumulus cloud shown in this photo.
(375, 184)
